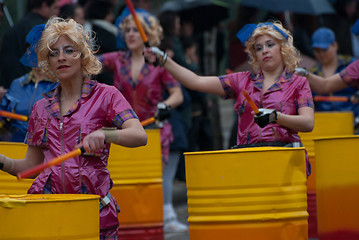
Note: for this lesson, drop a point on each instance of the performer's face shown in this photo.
(63, 59)
(268, 54)
(132, 37)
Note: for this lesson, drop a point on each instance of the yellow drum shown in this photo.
(326, 124)
(337, 187)
(54, 216)
(8, 183)
(253, 193)
(137, 177)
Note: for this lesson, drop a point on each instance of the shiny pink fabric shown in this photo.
(350, 74)
(143, 95)
(290, 93)
(100, 106)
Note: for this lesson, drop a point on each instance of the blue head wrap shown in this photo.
(355, 28)
(30, 57)
(120, 42)
(246, 32)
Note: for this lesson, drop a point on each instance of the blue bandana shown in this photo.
(246, 32)
(29, 58)
(120, 42)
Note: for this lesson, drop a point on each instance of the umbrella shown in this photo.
(310, 7)
(204, 14)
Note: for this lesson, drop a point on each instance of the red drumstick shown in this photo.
(148, 121)
(250, 101)
(331, 99)
(13, 115)
(137, 22)
(32, 171)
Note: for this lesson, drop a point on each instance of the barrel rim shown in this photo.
(50, 197)
(252, 149)
(335, 137)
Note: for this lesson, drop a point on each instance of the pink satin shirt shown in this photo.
(100, 106)
(143, 94)
(287, 95)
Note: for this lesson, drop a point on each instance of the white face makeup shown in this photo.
(64, 60)
(268, 54)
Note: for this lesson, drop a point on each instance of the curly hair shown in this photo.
(290, 54)
(152, 28)
(57, 27)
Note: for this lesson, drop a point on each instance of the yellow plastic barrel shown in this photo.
(137, 177)
(326, 124)
(8, 183)
(49, 216)
(247, 194)
(337, 187)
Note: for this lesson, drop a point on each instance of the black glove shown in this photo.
(265, 116)
(160, 55)
(163, 112)
(302, 72)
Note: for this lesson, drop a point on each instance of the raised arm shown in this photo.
(189, 79)
(326, 85)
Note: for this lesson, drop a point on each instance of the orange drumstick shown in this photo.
(250, 101)
(331, 99)
(147, 121)
(137, 22)
(32, 171)
(13, 115)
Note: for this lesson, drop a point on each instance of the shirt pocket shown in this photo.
(288, 107)
(37, 134)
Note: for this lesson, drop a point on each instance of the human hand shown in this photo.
(2, 92)
(93, 142)
(163, 112)
(265, 116)
(6, 164)
(302, 72)
(355, 98)
(155, 56)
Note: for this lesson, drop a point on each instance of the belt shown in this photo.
(105, 200)
(269, 144)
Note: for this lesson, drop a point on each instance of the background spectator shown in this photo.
(74, 11)
(37, 12)
(100, 18)
(325, 48)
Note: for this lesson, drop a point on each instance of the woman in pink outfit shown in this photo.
(142, 84)
(145, 85)
(284, 98)
(78, 113)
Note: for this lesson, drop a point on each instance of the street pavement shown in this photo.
(179, 187)
(181, 208)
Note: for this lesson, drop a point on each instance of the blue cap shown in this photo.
(30, 57)
(323, 38)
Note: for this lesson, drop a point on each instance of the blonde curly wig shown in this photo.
(57, 27)
(290, 54)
